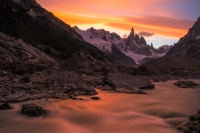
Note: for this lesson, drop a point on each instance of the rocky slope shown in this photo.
(19, 51)
(134, 47)
(27, 21)
(183, 58)
(188, 46)
(41, 56)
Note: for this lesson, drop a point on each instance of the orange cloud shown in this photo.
(162, 26)
(162, 17)
(76, 20)
(165, 31)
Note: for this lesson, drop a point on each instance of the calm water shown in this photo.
(157, 112)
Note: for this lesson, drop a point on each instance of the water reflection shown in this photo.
(157, 112)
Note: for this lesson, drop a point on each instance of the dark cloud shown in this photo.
(145, 34)
(125, 36)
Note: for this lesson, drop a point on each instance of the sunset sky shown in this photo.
(165, 20)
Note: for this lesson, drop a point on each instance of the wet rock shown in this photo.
(126, 83)
(95, 98)
(192, 126)
(32, 109)
(81, 99)
(186, 83)
(5, 106)
(126, 88)
(195, 117)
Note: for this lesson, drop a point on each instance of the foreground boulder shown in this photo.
(186, 84)
(32, 109)
(192, 126)
(5, 106)
(121, 82)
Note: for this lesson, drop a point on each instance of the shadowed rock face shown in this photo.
(188, 46)
(138, 45)
(119, 57)
(126, 83)
(32, 109)
(28, 21)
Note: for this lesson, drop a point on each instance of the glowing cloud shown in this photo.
(169, 18)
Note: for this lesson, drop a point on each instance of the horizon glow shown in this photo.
(169, 20)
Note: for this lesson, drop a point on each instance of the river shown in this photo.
(157, 112)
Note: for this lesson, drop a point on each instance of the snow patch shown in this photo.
(138, 58)
(94, 37)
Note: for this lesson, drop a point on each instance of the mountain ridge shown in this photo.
(184, 57)
(134, 46)
(28, 21)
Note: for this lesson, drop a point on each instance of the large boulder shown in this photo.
(186, 84)
(5, 106)
(32, 109)
(121, 82)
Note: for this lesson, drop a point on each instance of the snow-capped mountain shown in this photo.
(107, 42)
(134, 46)
(100, 38)
(138, 45)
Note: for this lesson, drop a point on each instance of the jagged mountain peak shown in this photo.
(134, 46)
(152, 45)
(184, 55)
(132, 30)
(198, 20)
(110, 43)
(135, 42)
